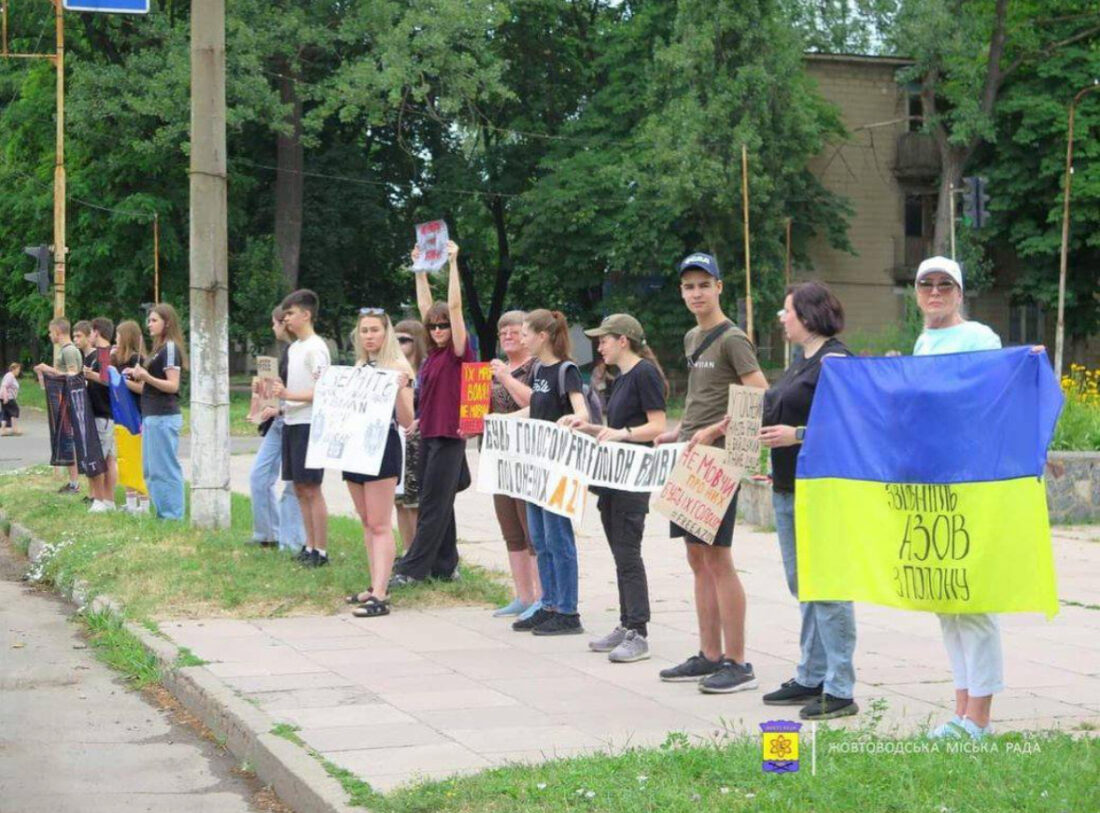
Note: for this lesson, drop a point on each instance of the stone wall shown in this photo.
(1072, 479)
(1073, 486)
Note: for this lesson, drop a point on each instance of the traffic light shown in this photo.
(41, 275)
(976, 201)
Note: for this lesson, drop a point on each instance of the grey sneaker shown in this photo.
(633, 648)
(609, 641)
(730, 677)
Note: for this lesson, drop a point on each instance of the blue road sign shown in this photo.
(109, 6)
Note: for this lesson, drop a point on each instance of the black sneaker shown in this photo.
(69, 488)
(454, 576)
(303, 556)
(317, 559)
(262, 543)
(793, 693)
(540, 616)
(399, 580)
(560, 624)
(694, 668)
(730, 677)
(827, 707)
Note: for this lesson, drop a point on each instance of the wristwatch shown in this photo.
(800, 433)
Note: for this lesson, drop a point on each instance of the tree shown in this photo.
(963, 54)
(1025, 164)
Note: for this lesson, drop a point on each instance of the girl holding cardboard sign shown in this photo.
(635, 414)
(373, 495)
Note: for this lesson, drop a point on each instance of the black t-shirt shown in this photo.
(788, 402)
(153, 401)
(548, 403)
(98, 394)
(635, 393)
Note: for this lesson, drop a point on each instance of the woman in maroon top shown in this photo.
(442, 471)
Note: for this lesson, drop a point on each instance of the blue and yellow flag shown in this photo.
(919, 483)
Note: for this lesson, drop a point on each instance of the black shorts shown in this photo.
(295, 446)
(391, 462)
(722, 539)
(9, 410)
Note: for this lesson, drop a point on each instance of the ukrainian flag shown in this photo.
(919, 483)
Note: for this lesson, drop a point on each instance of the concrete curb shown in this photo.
(297, 777)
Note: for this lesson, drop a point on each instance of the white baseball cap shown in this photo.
(943, 265)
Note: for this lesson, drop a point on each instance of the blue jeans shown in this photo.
(828, 636)
(274, 519)
(160, 463)
(556, 549)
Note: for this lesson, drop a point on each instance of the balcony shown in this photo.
(918, 159)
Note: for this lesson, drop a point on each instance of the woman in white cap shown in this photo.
(973, 640)
(635, 414)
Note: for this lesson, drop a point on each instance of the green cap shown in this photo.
(619, 324)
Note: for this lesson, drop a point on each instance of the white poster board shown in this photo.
(746, 410)
(699, 491)
(552, 467)
(431, 239)
(352, 413)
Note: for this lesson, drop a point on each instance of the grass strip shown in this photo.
(856, 770)
(162, 570)
(120, 649)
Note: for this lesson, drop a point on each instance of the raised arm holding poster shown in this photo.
(352, 411)
(473, 403)
(431, 239)
(746, 411)
(699, 490)
(552, 466)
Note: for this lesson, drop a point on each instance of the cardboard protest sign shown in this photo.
(267, 373)
(746, 410)
(699, 491)
(352, 413)
(431, 239)
(473, 402)
(552, 467)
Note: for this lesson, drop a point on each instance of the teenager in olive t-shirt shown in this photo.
(729, 358)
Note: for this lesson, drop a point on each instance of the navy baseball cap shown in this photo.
(702, 262)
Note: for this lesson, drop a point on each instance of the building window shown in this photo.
(914, 216)
(915, 111)
(1025, 323)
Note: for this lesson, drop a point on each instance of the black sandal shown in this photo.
(371, 607)
(354, 597)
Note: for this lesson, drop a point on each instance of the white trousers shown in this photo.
(973, 643)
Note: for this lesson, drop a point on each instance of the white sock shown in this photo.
(323, 553)
(309, 549)
(131, 502)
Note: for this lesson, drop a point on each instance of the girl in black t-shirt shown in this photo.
(556, 390)
(635, 414)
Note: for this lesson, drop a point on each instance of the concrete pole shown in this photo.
(59, 195)
(209, 270)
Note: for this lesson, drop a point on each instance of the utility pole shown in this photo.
(1063, 257)
(748, 261)
(210, 504)
(59, 247)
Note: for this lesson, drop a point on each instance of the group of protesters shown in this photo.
(119, 381)
(424, 465)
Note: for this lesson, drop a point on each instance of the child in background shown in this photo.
(9, 406)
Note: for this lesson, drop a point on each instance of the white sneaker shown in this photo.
(100, 507)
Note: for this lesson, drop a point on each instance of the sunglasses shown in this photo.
(405, 339)
(928, 286)
(372, 311)
(440, 326)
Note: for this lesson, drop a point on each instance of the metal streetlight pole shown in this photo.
(1059, 338)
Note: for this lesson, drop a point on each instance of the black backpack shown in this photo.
(591, 399)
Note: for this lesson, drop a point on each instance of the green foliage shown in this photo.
(127, 558)
(120, 649)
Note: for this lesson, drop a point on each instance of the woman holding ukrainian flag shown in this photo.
(973, 640)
